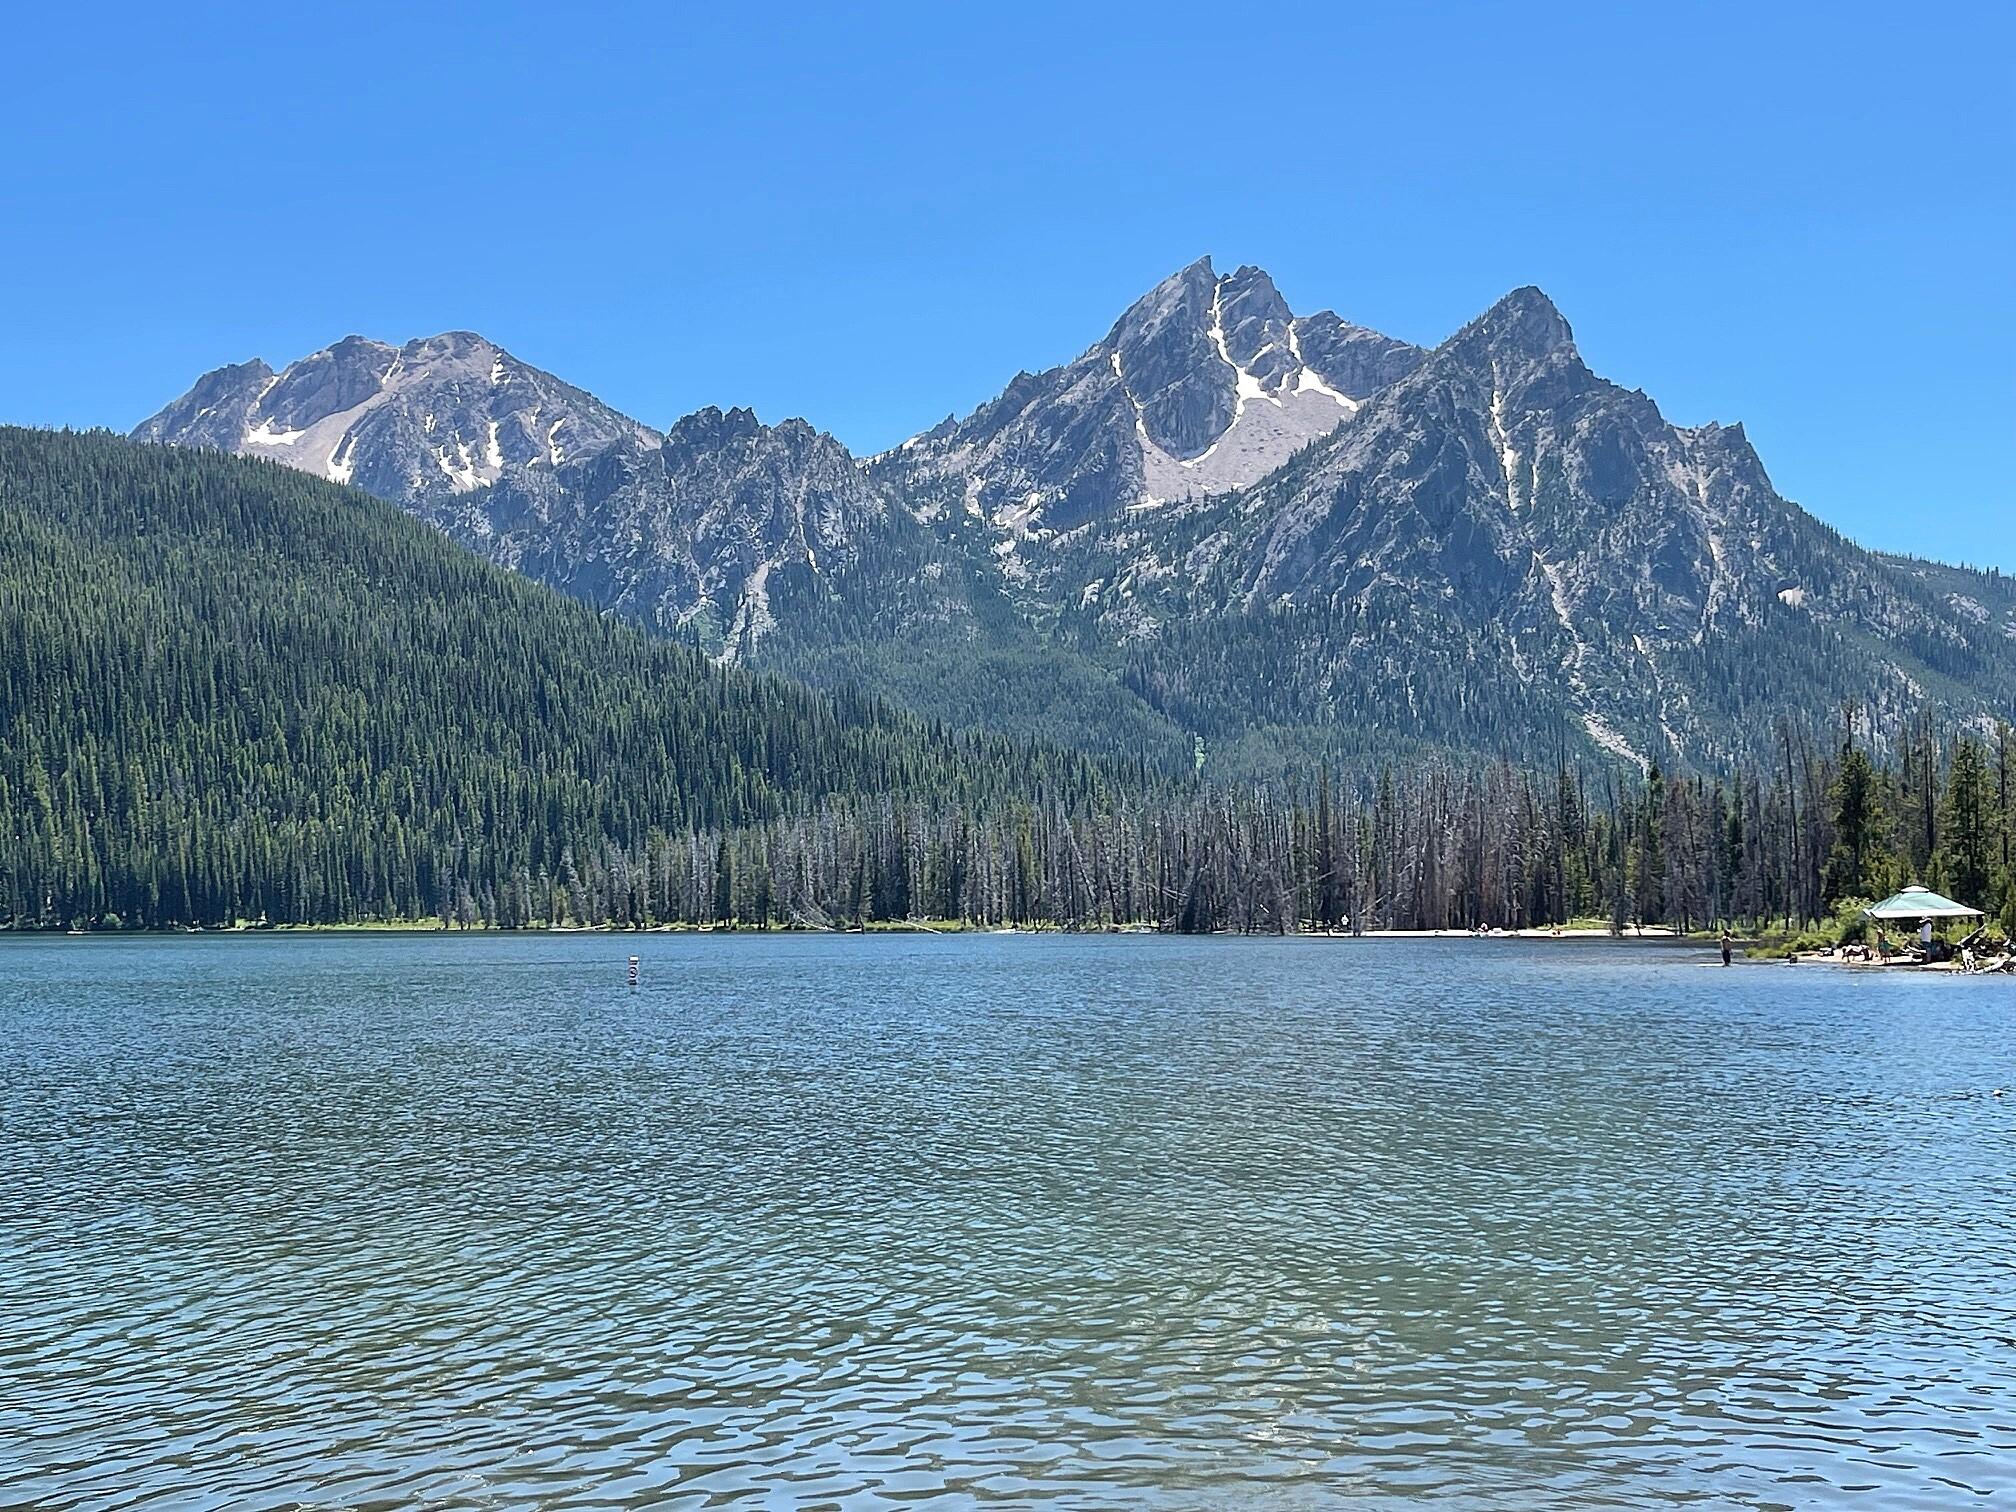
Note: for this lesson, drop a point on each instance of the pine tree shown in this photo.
(1857, 828)
(1648, 861)
(1966, 836)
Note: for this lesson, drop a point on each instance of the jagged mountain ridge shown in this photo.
(686, 533)
(440, 415)
(1502, 514)
(1366, 546)
(1206, 383)
(772, 546)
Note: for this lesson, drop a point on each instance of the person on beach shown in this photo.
(1726, 947)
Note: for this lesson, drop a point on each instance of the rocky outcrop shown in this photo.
(690, 534)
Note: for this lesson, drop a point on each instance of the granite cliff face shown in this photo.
(1283, 536)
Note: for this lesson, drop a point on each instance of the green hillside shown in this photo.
(229, 690)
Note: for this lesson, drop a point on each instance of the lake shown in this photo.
(384, 1221)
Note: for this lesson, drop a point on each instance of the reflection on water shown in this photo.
(371, 1222)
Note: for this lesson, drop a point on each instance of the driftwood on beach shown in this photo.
(1863, 957)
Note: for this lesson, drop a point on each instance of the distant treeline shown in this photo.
(231, 692)
(1442, 849)
(1438, 849)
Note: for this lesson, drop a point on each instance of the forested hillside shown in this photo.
(229, 690)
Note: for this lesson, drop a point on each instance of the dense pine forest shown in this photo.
(1440, 848)
(232, 693)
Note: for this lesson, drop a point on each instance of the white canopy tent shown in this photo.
(1915, 904)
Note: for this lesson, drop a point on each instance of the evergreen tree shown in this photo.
(1857, 828)
(1648, 861)
(1966, 843)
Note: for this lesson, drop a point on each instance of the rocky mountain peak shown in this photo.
(234, 374)
(1524, 326)
(713, 426)
(1166, 359)
(1188, 288)
(442, 414)
(713, 430)
(1258, 328)
(1253, 286)
(453, 341)
(1206, 383)
(337, 378)
(213, 412)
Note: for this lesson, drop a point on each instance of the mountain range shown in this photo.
(1223, 532)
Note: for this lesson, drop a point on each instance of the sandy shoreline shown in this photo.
(1657, 934)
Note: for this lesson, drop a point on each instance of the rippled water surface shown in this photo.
(830, 1221)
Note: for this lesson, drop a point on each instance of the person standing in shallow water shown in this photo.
(1725, 947)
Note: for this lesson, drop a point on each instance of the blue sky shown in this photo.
(1799, 217)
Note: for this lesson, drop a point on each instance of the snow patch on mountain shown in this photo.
(263, 434)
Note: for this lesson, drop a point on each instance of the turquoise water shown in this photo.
(843, 1221)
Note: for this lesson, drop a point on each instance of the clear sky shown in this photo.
(1797, 216)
